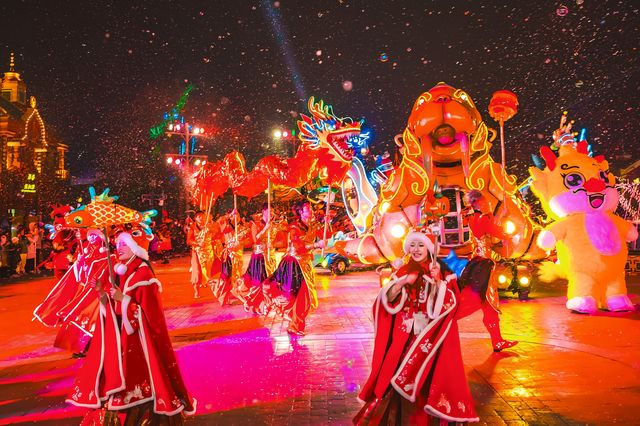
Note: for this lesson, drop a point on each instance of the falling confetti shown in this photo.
(347, 85)
(562, 10)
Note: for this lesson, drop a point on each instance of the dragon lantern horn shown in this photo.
(549, 157)
(319, 109)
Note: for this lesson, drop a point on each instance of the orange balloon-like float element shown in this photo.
(445, 140)
(503, 105)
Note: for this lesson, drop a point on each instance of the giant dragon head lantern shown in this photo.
(324, 130)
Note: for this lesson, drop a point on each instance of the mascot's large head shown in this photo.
(442, 118)
(573, 182)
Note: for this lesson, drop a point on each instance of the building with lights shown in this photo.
(32, 162)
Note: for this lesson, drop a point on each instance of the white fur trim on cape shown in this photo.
(385, 300)
(143, 342)
(125, 315)
(98, 404)
(412, 397)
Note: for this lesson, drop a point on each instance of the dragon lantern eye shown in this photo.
(573, 180)
(136, 233)
(77, 220)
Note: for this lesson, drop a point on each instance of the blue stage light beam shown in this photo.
(272, 14)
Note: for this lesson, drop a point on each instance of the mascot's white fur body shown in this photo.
(579, 193)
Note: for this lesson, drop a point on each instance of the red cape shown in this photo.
(430, 372)
(134, 363)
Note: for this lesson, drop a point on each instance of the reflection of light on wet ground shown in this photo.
(246, 370)
(519, 391)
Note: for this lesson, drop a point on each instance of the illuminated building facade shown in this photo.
(32, 162)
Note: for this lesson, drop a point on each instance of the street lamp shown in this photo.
(285, 135)
(187, 132)
(183, 158)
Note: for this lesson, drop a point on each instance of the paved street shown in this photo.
(245, 370)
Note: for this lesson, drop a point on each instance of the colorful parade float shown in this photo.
(444, 153)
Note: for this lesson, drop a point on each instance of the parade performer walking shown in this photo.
(225, 288)
(263, 259)
(131, 366)
(291, 290)
(417, 374)
(80, 314)
(201, 238)
(479, 289)
(71, 304)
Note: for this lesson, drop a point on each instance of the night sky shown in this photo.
(105, 71)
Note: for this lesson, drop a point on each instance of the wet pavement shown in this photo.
(244, 370)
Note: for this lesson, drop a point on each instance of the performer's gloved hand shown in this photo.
(116, 294)
(434, 270)
(96, 284)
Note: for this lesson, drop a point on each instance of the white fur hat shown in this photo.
(130, 242)
(423, 235)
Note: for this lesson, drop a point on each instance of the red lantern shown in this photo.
(503, 105)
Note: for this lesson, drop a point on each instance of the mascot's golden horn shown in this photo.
(445, 141)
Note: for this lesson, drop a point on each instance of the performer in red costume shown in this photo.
(263, 260)
(479, 289)
(205, 263)
(417, 374)
(225, 288)
(72, 303)
(291, 289)
(131, 366)
(63, 242)
(80, 314)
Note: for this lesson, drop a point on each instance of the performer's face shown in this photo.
(199, 219)
(306, 213)
(124, 251)
(418, 251)
(267, 214)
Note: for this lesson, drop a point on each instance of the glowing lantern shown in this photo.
(398, 230)
(509, 227)
(503, 105)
